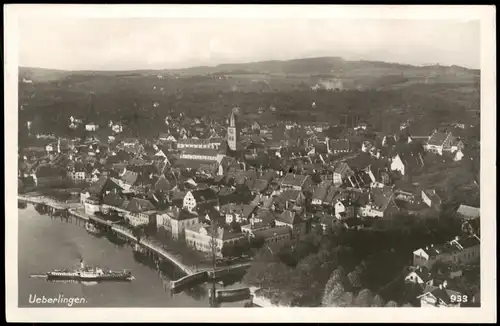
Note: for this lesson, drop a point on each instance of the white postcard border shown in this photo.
(487, 312)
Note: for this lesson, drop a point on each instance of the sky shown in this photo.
(81, 43)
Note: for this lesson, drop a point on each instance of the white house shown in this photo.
(397, 164)
(91, 127)
(198, 197)
(458, 251)
(438, 142)
(49, 148)
(458, 155)
(420, 275)
(441, 297)
(117, 128)
(91, 205)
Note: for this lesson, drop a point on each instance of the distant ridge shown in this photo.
(314, 65)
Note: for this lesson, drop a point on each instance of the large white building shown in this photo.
(176, 221)
(213, 142)
(199, 237)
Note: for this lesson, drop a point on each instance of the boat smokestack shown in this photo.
(82, 265)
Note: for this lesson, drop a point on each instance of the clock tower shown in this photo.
(232, 133)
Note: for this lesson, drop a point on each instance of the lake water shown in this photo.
(47, 243)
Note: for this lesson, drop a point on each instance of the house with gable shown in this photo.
(341, 173)
(380, 204)
(128, 179)
(199, 237)
(175, 221)
(296, 182)
(293, 220)
(460, 250)
(431, 198)
(140, 212)
(199, 197)
(420, 275)
(320, 192)
(407, 162)
(468, 212)
(439, 142)
(440, 297)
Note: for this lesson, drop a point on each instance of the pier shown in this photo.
(43, 200)
(191, 277)
(154, 248)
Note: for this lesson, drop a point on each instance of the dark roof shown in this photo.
(129, 177)
(180, 214)
(206, 194)
(468, 242)
(442, 294)
(137, 205)
(321, 190)
(266, 216)
(200, 151)
(289, 217)
(101, 184)
(113, 199)
(381, 197)
(331, 194)
(289, 195)
(47, 171)
(424, 273)
(259, 185)
(270, 232)
(437, 138)
(339, 144)
(468, 211)
(362, 161)
(193, 164)
(162, 184)
(294, 180)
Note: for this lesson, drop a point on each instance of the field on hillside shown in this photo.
(379, 93)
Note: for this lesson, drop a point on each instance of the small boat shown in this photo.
(92, 229)
(230, 295)
(85, 273)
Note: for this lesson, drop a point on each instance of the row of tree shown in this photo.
(372, 259)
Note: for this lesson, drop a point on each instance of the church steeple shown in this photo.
(232, 120)
(233, 132)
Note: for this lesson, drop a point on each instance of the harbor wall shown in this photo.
(159, 251)
(189, 280)
(224, 271)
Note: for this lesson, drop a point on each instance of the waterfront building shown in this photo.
(140, 212)
(199, 237)
(175, 221)
(92, 205)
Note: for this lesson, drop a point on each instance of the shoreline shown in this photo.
(127, 233)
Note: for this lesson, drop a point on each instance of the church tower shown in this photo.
(233, 132)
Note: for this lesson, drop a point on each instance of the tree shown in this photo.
(333, 298)
(377, 301)
(364, 298)
(257, 242)
(345, 300)
(355, 279)
(235, 227)
(334, 287)
(392, 304)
